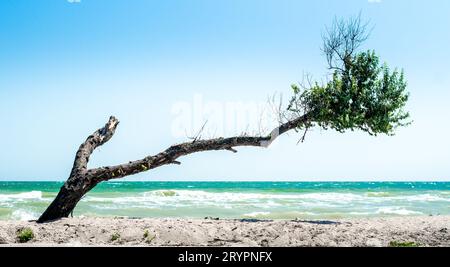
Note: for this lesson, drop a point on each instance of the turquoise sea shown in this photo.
(259, 200)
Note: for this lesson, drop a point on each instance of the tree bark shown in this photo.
(82, 179)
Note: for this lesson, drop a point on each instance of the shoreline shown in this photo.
(118, 231)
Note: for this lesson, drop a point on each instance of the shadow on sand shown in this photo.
(316, 222)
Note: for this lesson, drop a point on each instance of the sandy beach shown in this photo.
(96, 231)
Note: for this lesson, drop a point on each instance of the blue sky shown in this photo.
(66, 67)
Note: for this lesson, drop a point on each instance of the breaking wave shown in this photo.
(168, 196)
(240, 203)
(24, 215)
(397, 211)
(21, 196)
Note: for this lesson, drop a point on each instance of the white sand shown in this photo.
(425, 231)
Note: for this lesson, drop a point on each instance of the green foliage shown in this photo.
(403, 244)
(148, 237)
(115, 236)
(146, 233)
(25, 235)
(361, 94)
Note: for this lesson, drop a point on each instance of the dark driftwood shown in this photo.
(82, 179)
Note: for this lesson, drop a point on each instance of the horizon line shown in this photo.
(246, 181)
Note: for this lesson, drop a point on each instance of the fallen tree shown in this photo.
(361, 94)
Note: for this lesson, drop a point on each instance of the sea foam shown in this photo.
(21, 196)
(23, 215)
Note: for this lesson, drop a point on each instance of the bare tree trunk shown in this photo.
(63, 205)
(69, 195)
(82, 179)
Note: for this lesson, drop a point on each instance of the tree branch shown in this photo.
(170, 155)
(95, 140)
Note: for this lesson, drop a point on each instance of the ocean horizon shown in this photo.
(26, 200)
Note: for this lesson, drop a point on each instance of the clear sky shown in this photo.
(66, 66)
